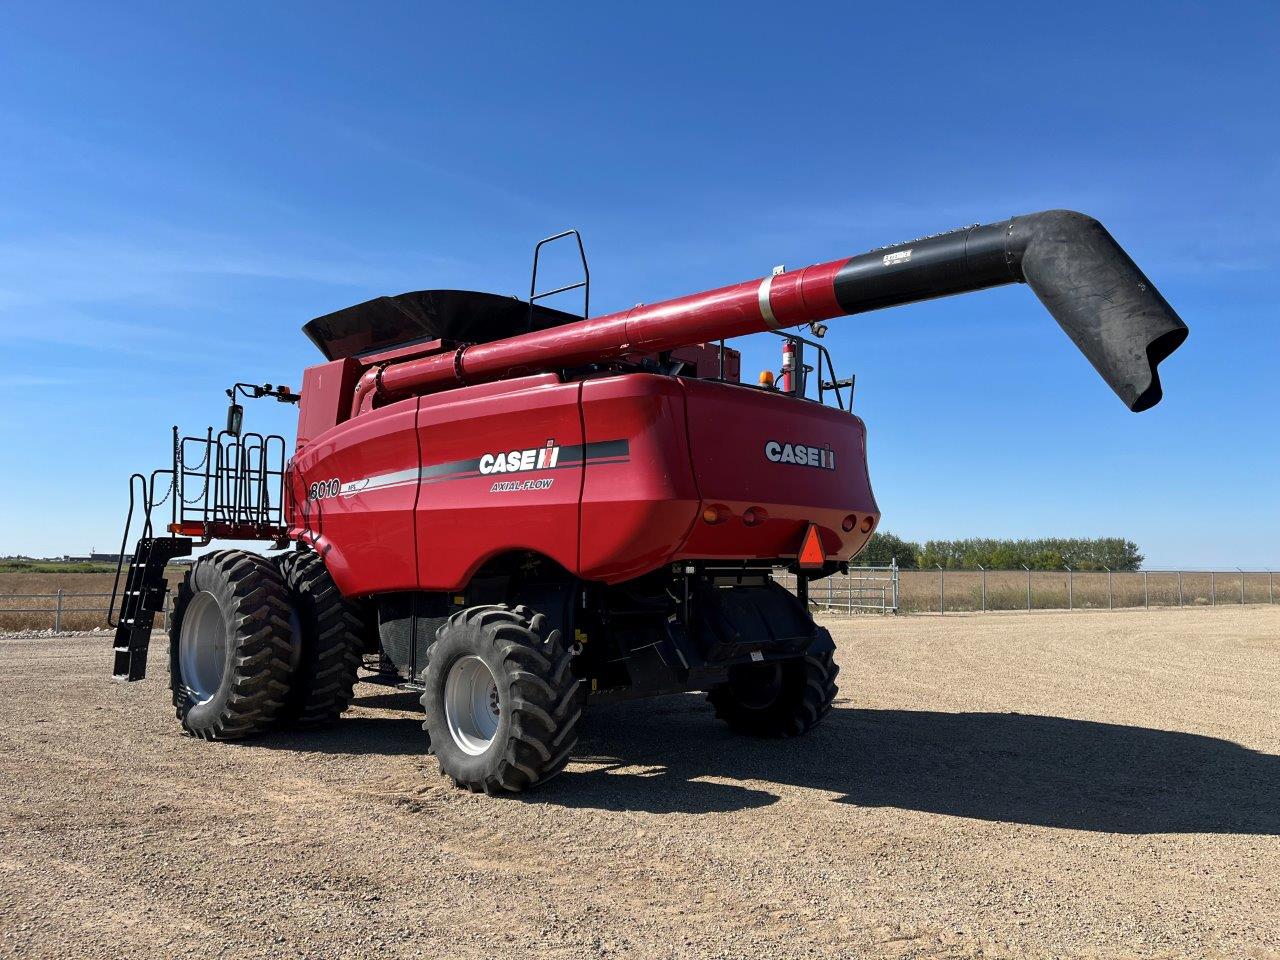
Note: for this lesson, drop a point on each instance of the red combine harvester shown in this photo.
(517, 511)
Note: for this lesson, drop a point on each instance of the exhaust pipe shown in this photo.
(1095, 291)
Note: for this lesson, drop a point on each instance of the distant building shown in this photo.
(97, 558)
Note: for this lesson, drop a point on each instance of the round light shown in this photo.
(867, 524)
(849, 522)
(753, 516)
(711, 515)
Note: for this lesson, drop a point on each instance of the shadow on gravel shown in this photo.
(353, 736)
(1009, 768)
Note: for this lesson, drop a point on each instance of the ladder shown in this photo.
(142, 599)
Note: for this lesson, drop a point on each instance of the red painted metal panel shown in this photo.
(635, 511)
(792, 461)
(326, 397)
(472, 508)
(353, 491)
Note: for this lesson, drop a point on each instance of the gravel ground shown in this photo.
(1044, 785)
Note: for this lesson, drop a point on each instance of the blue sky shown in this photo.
(181, 187)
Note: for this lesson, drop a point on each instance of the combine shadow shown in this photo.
(388, 699)
(1003, 767)
(353, 736)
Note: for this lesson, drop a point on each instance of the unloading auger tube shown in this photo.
(1095, 291)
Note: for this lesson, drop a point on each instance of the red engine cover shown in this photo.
(610, 478)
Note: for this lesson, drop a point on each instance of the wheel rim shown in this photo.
(756, 685)
(472, 706)
(202, 646)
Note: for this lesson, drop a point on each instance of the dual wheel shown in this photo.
(256, 643)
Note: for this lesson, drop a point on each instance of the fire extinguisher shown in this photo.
(787, 383)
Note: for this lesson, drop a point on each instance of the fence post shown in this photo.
(1110, 594)
(1213, 591)
(1241, 586)
(1028, 569)
(1179, 588)
(1146, 604)
(164, 613)
(1070, 598)
(984, 587)
(893, 565)
(942, 590)
(1271, 586)
(848, 593)
(57, 614)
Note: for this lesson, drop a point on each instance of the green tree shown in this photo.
(886, 548)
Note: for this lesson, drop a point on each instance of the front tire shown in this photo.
(230, 646)
(780, 698)
(328, 647)
(502, 704)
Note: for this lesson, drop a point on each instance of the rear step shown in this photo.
(143, 598)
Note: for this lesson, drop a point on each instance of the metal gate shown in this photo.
(866, 589)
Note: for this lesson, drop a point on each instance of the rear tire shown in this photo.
(230, 646)
(780, 698)
(328, 646)
(502, 704)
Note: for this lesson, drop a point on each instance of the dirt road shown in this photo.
(1045, 785)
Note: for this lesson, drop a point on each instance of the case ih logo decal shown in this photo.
(514, 461)
(801, 455)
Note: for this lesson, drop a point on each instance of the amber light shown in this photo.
(867, 524)
(712, 515)
(849, 522)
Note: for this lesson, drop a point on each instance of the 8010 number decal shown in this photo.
(324, 489)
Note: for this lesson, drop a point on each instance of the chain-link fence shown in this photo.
(943, 591)
(865, 589)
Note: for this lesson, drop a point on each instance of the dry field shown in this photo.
(1046, 785)
(79, 613)
(919, 593)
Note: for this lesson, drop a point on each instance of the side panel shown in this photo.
(501, 471)
(353, 492)
(640, 503)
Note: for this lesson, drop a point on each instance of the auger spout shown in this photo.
(1090, 285)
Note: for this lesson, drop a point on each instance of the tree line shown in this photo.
(1045, 553)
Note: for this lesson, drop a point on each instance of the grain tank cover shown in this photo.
(461, 316)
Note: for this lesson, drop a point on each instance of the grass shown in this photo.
(54, 566)
(920, 590)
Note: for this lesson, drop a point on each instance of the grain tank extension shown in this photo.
(517, 511)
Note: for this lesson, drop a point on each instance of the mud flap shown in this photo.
(751, 622)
